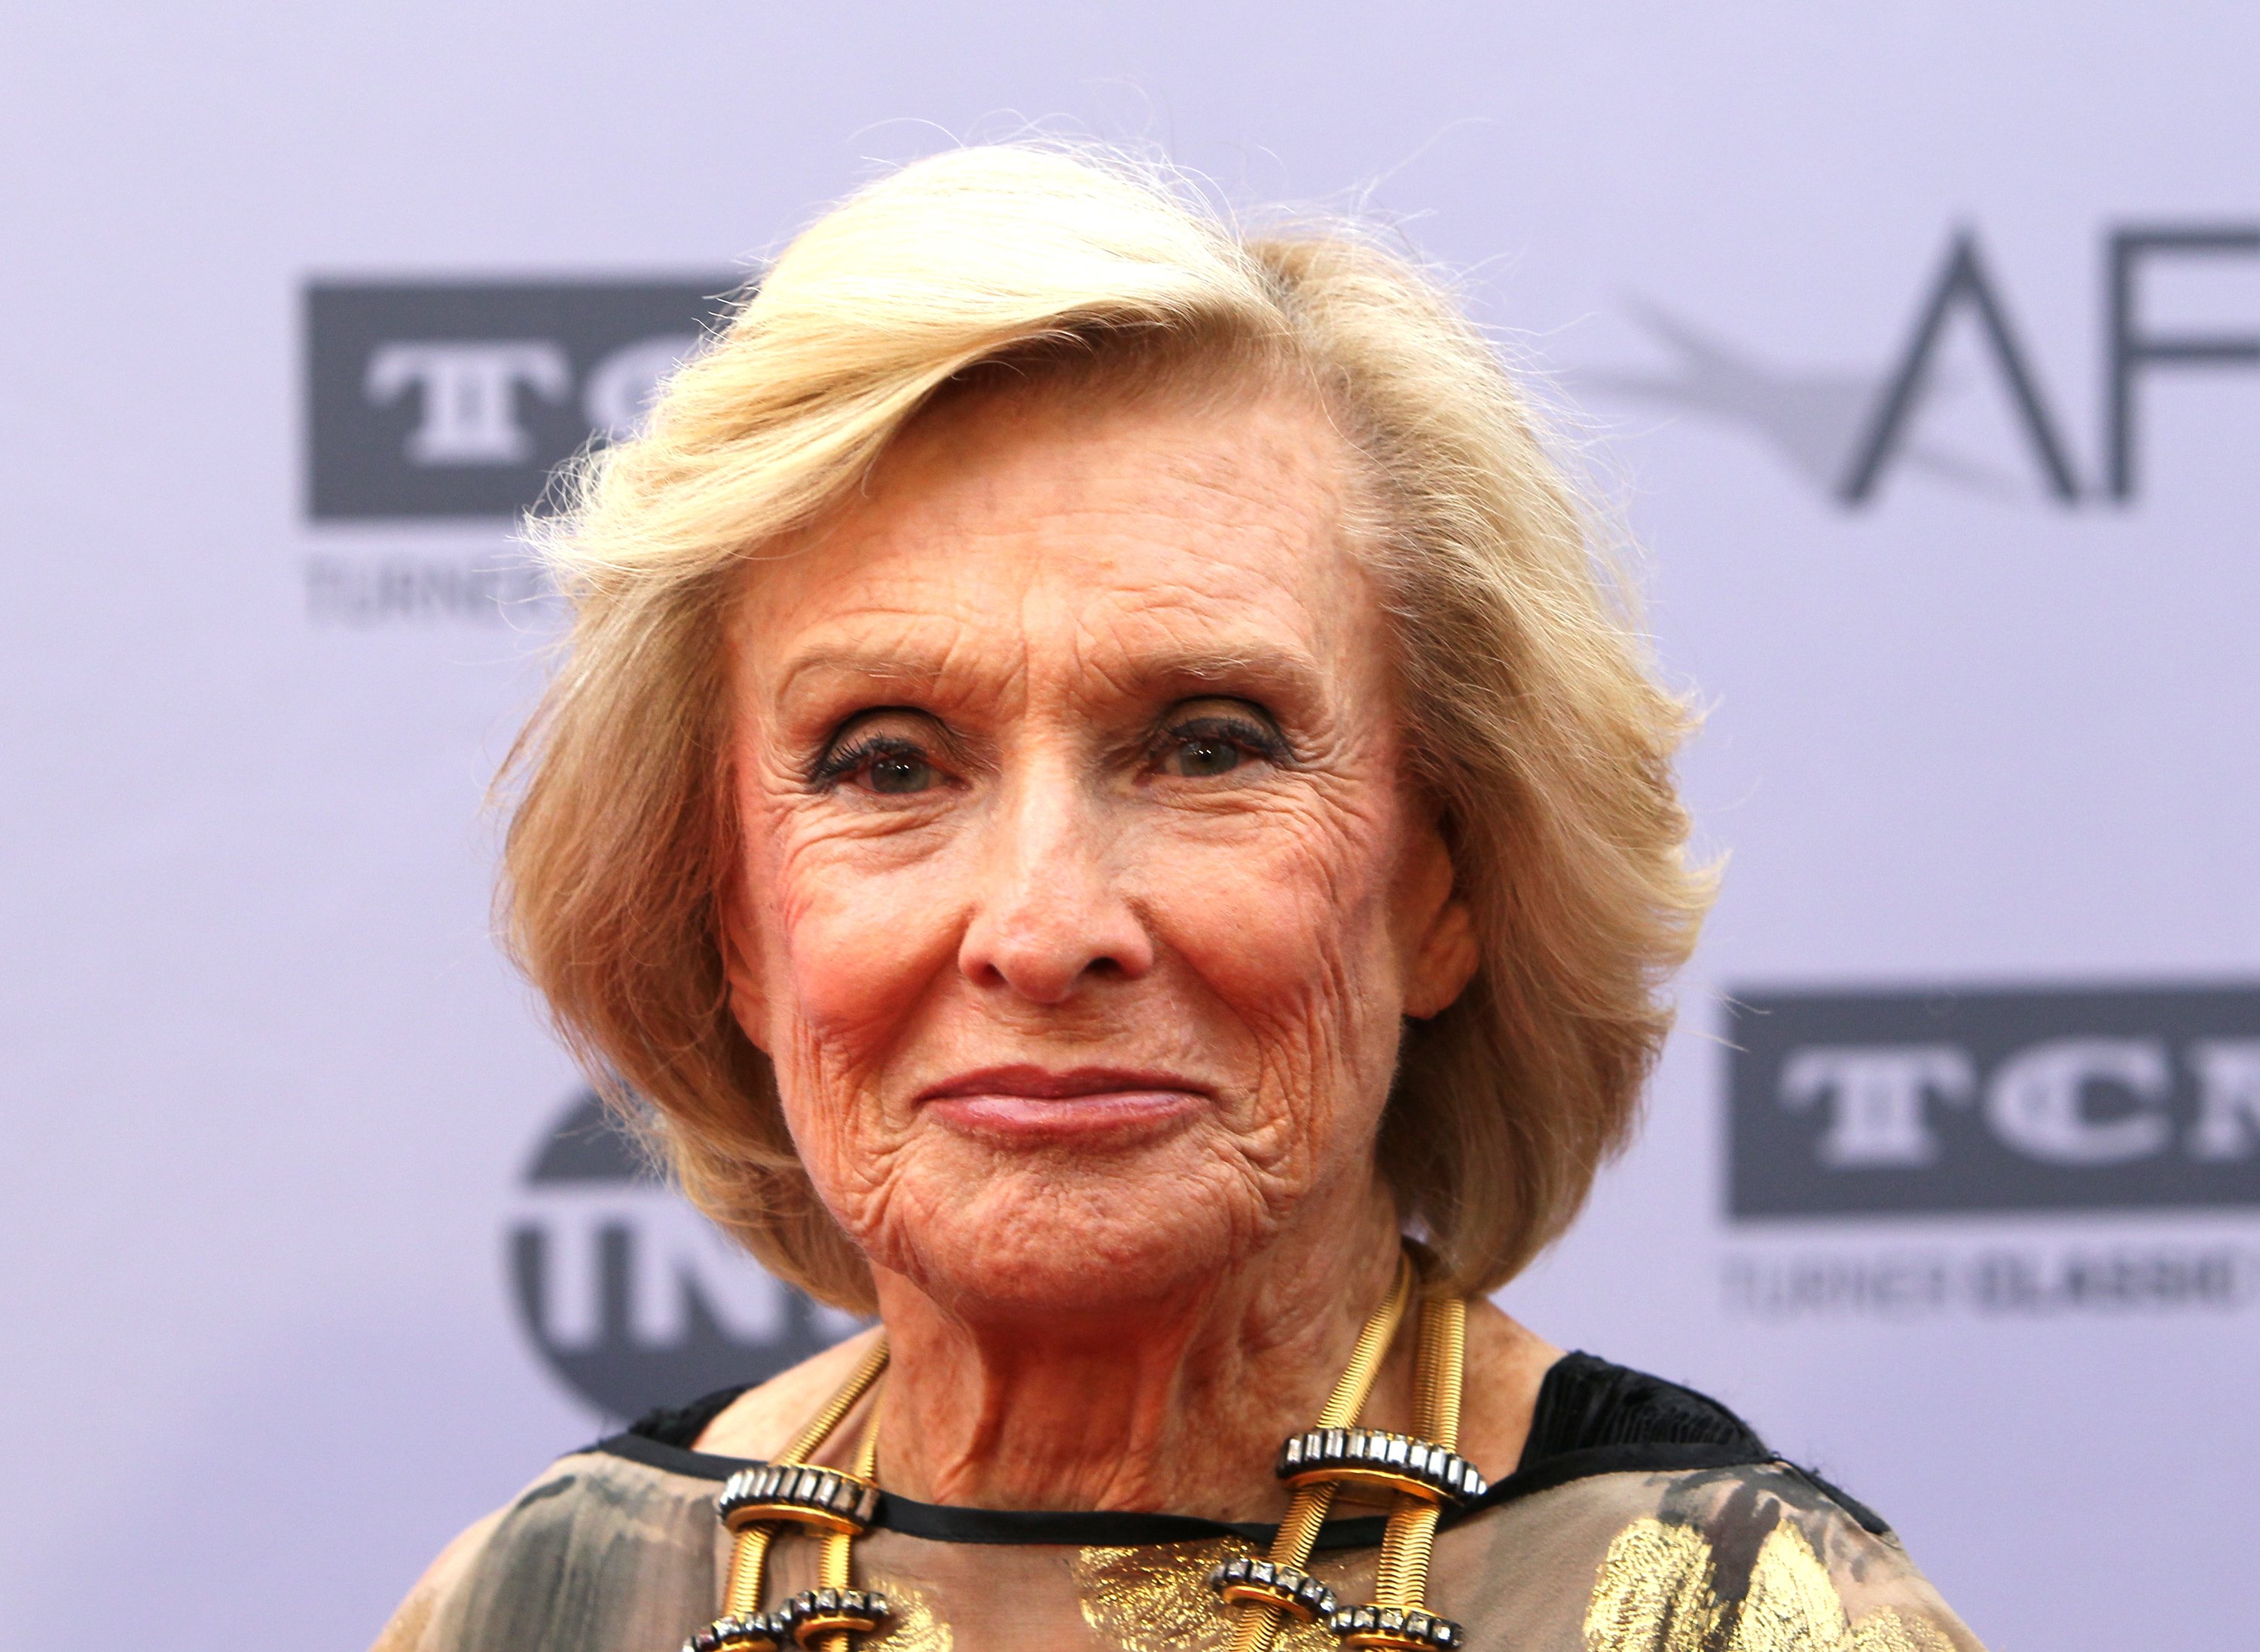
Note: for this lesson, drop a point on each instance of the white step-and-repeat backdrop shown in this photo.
(1922, 341)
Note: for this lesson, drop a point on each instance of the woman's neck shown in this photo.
(1175, 1402)
(1114, 1424)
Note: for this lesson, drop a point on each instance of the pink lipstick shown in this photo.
(1036, 1104)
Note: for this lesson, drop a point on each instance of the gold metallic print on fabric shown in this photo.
(1156, 1598)
(1653, 1594)
(911, 1624)
(1888, 1631)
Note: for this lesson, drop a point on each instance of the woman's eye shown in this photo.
(877, 760)
(898, 772)
(1202, 755)
(1203, 747)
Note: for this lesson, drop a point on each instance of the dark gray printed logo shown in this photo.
(634, 1298)
(1847, 430)
(1961, 1099)
(430, 398)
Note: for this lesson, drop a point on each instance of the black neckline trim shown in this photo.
(1591, 1417)
(948, 1523)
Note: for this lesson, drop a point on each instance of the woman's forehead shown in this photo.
(1158, 538)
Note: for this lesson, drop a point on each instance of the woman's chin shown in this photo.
(1065, 1243)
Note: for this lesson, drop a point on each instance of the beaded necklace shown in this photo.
(1422, 1475)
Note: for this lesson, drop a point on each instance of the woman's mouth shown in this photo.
(1035, 1105)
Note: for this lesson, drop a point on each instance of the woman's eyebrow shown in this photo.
(888, 665)
(1258, 665)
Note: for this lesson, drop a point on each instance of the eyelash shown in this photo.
(839, 763)
(1245, 733)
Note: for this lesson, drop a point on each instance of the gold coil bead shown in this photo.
(1398, 1620)
(824, 1618)
(1306, 1510)
(741, 1595)
(1442, 1367)
(1401, 1580)
(835, 1410)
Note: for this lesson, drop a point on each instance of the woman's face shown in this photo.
(1080, 894)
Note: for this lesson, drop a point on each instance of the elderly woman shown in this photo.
(1099, 802)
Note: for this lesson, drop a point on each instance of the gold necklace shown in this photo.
(1420, 1474)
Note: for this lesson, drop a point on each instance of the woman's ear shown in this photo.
(1443, 955)
(1447, 961)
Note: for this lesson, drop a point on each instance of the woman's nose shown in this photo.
(1050, 917)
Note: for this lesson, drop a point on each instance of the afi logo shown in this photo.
(1846, 1103)
(1848, 433)
(459, 399)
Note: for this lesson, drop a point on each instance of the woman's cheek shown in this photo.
(856, 963)
(858, 948)
(1285, 936)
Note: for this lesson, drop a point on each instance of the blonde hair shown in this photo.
(1534, 719)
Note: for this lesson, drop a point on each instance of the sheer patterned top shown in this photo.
(1641, 1515)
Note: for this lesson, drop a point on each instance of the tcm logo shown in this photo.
(1848, 433)
(1958, 1100)
(632, 1297)
(458, 399)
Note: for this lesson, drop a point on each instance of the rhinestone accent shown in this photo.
(820, 1611)
(752, 1632)
(1245, 1581)
(1399, 1462)
(1395, 1629)
(826, 1499)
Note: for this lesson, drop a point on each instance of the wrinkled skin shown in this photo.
(1081, 901)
